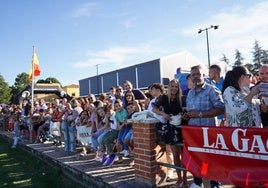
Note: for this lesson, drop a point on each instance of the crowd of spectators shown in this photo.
(209, 100)
(104, 117)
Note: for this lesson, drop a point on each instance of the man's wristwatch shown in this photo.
(200, 115)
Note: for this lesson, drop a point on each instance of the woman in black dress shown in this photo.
(166, 105)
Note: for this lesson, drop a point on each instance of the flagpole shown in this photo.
(32, 92)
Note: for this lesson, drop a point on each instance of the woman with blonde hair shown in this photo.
(168, 105)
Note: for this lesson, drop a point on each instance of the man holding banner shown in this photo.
(204, 103)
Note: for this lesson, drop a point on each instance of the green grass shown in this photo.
(18, 168)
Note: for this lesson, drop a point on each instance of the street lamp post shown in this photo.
(206, 29)
(97, 67)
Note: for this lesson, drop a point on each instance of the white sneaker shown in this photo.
(193, 185)
(97, 159)
(60, 146)
(83, 154)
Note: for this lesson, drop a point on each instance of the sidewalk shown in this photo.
(87, 172)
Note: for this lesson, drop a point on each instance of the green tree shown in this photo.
(265, 57)
(238, 58)
(53, 80)
(5, 91)
(259, 56)
(41, 81)
(225, 59)
(22, 80)
(49, 80)
(257, 50)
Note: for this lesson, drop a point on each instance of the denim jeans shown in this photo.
(121, 136)
(69, 137)
(16, 129)
(129, 135)
(97, 139)
(100, 139)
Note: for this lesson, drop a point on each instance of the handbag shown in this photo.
(175, 120)
(168, 133)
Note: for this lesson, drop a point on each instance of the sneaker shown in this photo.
(58, 143)
(122, 152)
(83, 154)
(193, 185)
(110, 161)
(13, 146)
(126, 153)
(60, 146)
(46, 142)
(214, 184)
(104, 159)
(132, 163)
(97, 159)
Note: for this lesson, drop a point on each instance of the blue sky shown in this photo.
(73, 36)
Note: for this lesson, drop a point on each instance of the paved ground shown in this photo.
(86, 171)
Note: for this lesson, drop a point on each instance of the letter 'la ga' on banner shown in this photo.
(35, 68)
(237, 156)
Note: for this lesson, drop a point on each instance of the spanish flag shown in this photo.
(35, 68)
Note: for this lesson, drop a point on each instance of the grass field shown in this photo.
(18, 168)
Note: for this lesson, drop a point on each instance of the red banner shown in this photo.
(237, 156)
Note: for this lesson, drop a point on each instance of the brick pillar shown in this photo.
(145, 154)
